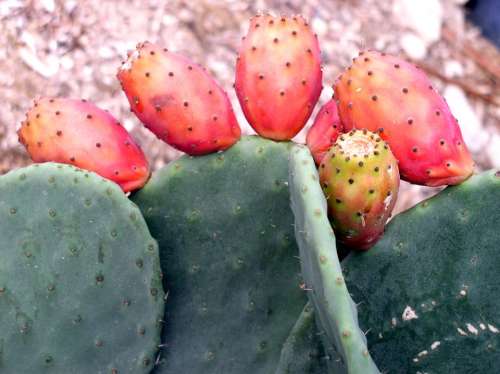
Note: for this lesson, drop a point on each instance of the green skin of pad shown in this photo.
(80, 285)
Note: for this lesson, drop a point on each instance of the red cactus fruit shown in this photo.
(324, 131)
(178, 101)
(360, 178)
(278, 75)
(79, 133)
(391, 96)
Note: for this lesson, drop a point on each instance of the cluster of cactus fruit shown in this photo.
(83, 284)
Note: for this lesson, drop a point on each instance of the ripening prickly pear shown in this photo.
(324, 131)
(178, 101)
(278, 75)
(360, 179)
(77, 132)
(388, 95)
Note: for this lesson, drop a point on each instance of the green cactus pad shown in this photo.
(303, 351)
(225, 230)
(334, 307)
(429, 291)
(80, 287)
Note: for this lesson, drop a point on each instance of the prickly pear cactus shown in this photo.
(80, 288)
(428, 291)
(328, 293)
(225, 231)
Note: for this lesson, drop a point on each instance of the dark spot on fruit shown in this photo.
(448, 164)
(351, 181)
(349, 105)
(152, 53)
(304, 82)
(337, 170)
(275, 40)
(376, 153)
(215, 118)
(261, 76)
(309, 50)
(271, 22)
(282, 93)
(59, 132)
(414, 149)
(72, 159)
(396, 66)
(37, 115)
(371, 191)
(438, 113)
(370, 72)
(441, 142)
(190, 128)
(347, 159)
(254, 48)
(410, 121)
(147, 74)
(186, 104)
(405, 90)
(359, 214)
(360, 164)
(294, 33)
(58, 112)
(338, 201)
(288, 64)
(374, 97)
(190, 67)
(170, 73)
(89, 116)
(376, 169)
(210, 92)
(98, 145)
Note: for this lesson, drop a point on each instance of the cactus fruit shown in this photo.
(80, 287)
(328, 293)
(360, 179)
(428, 291)
(79, 133)
(278, 75)
(178, 101)
(391, 96)
(324, 131)
(229, 255)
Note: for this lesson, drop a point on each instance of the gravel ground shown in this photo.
(74, 48)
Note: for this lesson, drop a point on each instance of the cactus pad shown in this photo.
(225, 230)
(334, 307)
(429, 290)
(80, 287)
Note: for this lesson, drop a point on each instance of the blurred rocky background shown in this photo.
(73, 48)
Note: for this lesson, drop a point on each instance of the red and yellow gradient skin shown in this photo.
(77, 132)
(178, 101)
(278, 75)
(359, 176)
(393, 97)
